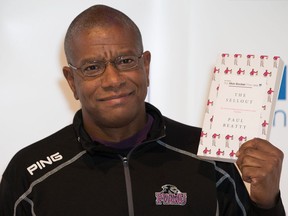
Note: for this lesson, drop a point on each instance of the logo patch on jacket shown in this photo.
(170, 195)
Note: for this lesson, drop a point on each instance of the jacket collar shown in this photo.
(157, 131)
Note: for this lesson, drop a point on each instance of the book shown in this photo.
(240, 104)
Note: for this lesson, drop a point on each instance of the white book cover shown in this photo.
(241, 103)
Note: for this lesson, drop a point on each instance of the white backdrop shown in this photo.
(184, 36)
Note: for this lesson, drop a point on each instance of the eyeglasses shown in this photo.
(96, 68)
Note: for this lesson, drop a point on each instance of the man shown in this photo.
(121, 156)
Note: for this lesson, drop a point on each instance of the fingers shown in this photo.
(259, 144)
(259, 149)
(260, 164)
(254, 172)
(258, 153)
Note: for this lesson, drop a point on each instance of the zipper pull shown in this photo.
(125, 160)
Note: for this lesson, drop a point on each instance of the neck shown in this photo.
(115, 133)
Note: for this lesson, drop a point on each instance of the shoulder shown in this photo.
(172, 124)
(55, 141)
(49, 149)
(182, 135)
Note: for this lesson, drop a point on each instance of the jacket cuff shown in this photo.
(277, 210)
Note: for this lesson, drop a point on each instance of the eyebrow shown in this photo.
(96, 59)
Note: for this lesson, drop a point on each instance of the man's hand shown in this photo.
(260, 164)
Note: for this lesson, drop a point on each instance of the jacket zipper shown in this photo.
(128, 186)
(125, 161)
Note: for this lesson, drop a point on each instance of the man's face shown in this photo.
(115, 98)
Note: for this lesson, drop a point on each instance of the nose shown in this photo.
(112, 78)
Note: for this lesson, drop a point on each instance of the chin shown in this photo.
(122, 118)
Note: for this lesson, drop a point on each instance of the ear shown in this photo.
(147, 59)
(69, 76)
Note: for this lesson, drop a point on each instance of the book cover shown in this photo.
(241, 103)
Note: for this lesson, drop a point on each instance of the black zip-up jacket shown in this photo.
(67, 174)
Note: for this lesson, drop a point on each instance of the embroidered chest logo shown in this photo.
(41, 164)
(170, 195)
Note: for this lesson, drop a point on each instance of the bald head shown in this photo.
(100, 16)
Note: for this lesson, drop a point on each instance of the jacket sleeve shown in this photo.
(6, 200)
(278, 209)
(11, 188)
(233, 197)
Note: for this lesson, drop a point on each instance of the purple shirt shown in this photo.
(131, 141)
